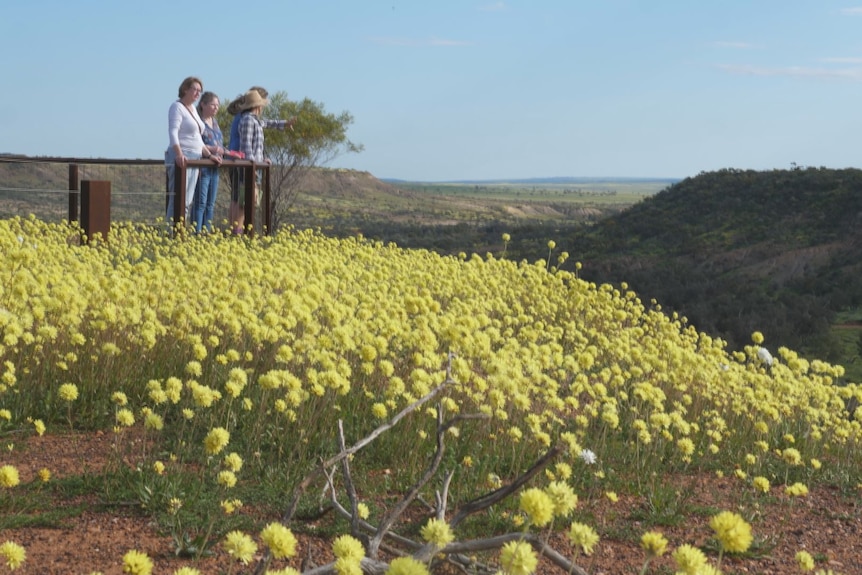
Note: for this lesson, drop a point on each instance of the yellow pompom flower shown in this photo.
(518, 558)
(362, 510)
(690, 560)
(158, 467)
(761, 484)
(805, 560)
(563, 497)
(226, 479)
(538, 506)
(39, 426)
(732, 531)
(379, 411)
(216, 440)
(280, 540)
(583, 536)
(654, 543)
(68, 392)
(791, 456)
(240, 546)
(154, 421)
(9, 476)
(437, 531)
(137, 563)
(348, 547)
(796, 490)
(406, 566)
(347, 567)
(45, 475)
(125, 417)
(187, 571)
(232, 461)
(13, 554)
(119, 398)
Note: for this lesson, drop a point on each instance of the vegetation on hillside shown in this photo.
(500, 394)
(738, 250)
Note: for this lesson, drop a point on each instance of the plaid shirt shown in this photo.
(251, 137)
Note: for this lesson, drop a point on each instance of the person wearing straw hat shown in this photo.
(256, 97)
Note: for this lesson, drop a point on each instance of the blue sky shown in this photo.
(457, 89)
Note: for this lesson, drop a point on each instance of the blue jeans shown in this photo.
(191, 180)
(205, 199)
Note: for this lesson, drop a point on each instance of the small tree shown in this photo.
(317, 138)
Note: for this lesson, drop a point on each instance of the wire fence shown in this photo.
(41, 186)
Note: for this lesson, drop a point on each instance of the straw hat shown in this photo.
(252, 100)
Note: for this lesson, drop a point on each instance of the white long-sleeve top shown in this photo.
(184, 128)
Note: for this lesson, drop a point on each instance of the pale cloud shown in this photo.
(417, 42)
(857, 11)
(843, 60)
(794, 71)
(495, 7)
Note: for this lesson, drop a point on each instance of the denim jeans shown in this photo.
(191, 180)
(205, 199)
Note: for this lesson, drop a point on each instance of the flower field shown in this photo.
(289, 372)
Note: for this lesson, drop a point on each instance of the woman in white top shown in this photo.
(186, 143)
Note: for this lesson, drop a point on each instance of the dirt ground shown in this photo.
(826, 523)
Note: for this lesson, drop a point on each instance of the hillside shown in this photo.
(738, 251)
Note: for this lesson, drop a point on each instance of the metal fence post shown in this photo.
(73, 193)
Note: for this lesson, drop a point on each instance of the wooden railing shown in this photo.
(89, 201)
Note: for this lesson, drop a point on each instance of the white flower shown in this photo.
(587, 456)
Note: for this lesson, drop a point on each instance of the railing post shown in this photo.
(267, 204)
(179, 195)
(73, 193)
(249, 198)
(96, 208)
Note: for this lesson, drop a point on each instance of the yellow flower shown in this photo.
(583, 536)
(344, 566)
(406, 566)
(805, 560)
(732, 531)
(379, 411)
(137, 563)
(815, 464)
(437, 532)
(538, 506)
(232, 461)
(796, 490)
(216, 440)
(612, 496)
(13, 553)
(654, 543)
(348, 547)
(227, 478)
(240, 546)
(125, 417)
(45, 475)
(791, 456)
(154, 421)
(284, 571)
(68, 392)
(9, 476)
(689, 559)
(230, 505)
(280, 540)
(507, 238)
(761, 484)
(362, 510)
(119, 398)
(563, 497)
(158, 467)
(552, 244)
(518, 558)
(187, 571)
